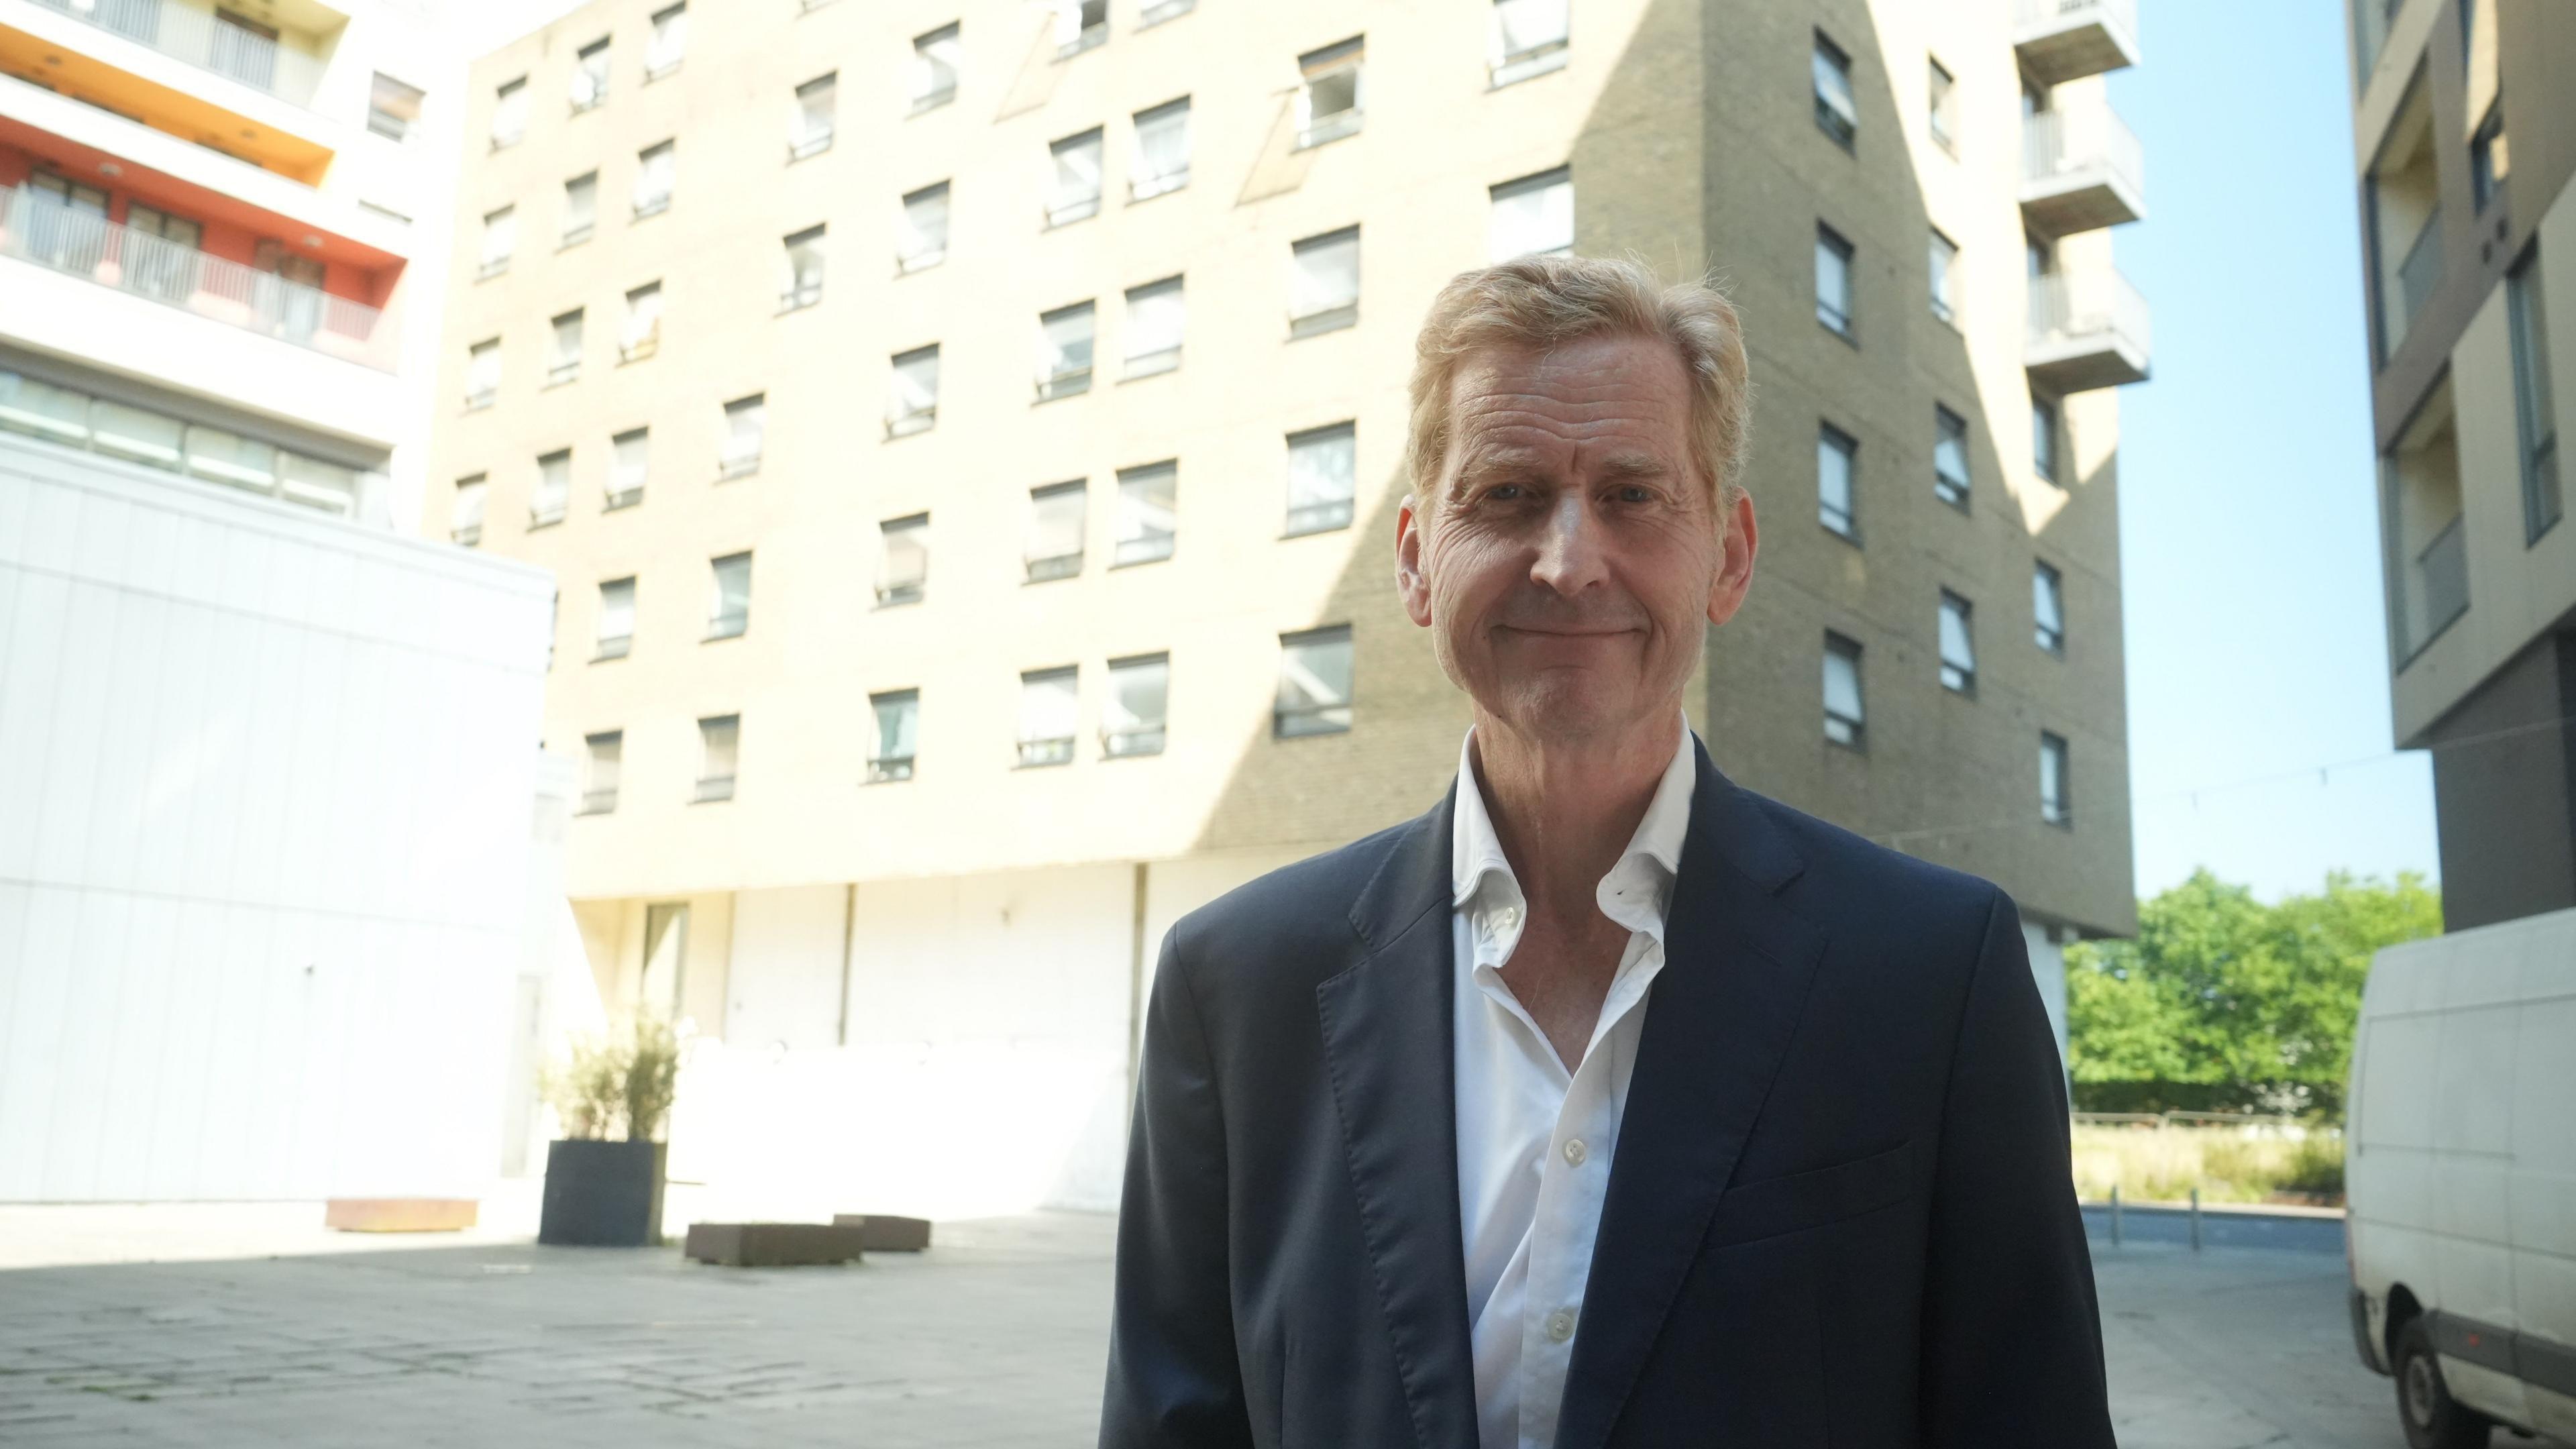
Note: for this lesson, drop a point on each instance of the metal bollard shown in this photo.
(2115, 1215)
(2195, 1220)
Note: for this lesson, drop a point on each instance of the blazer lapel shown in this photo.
(1388, 1052)
(1718, 1022)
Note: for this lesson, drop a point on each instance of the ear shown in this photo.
(1412, 580)
(1734, 577)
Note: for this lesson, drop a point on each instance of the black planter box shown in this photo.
(772, 1245)
(603, 1194)
(879, 1233)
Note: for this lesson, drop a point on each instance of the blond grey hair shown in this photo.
(1540, 302)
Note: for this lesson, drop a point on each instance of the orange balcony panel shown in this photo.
(189, 117)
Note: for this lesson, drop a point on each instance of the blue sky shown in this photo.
(2249, 535)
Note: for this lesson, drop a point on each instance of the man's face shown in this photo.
(1570, 556)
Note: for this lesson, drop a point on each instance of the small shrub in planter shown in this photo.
(604, 1178)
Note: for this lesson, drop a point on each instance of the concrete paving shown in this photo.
(993, 1339)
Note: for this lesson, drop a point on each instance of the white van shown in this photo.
(2461, 1177)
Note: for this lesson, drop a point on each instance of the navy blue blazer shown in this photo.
(1840, 1212)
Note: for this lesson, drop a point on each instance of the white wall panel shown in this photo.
(265, 792)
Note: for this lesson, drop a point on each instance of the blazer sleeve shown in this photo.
(2012, 1336)
(1174, 1382)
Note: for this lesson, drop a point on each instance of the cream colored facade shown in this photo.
(868, 941)
(2465, 141)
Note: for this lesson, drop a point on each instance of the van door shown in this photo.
(2543, 1189)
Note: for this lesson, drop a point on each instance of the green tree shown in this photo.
(2224, 1003)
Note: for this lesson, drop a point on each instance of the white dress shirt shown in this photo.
(1535, 1141)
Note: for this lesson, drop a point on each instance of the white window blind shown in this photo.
(631, 455)
(818, 104)
(1156, 313)
(935, 63)
(500, 236)
(903, 560)
(1132, 717)
(657, 168)
(1054, 547)
(465, 517)
(616, 618)
(510, 113)
(1322, 477)
(563, 356)
(801, 281)
(1314, 683)
(898, 726)
(729, 600)
(719, 744)
(923, 240)
(1050, 711)
(1162, 160)
(642, 335)
(1079, 25)
(1529, 39)
(912, 393)
(1064, 350)
(580, 206)
(554, 487)
(1328, 103)
(590, 75)
(746, 423)
(482, 372)
(601, 757)
(1075, 193)
(1148, 500)
(1532, 215)
(1945, 269)
(1324, 282)
(670, 42)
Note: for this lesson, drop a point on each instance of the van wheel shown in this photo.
(2433, 1419)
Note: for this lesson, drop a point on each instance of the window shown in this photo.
(1328, 103)
(912, 394)
(719, 743)
(1077, 179)
(600, 754)
(1322, 470)
(75, 419)
(1532, 215)
(554, 488)
(465, 515)
(935, 58)
(510, 113)
(1054, 548)
(1529, 39)
(1837, 115)
(1162, 161)
(1155, 314)
(1132, 717)
(1314, 683)
(563, 356)
(580, 208)
(482, 373)
(1050, 708)
(1079, 25)
(801, 283)
(1158, 11)
(923, 238)
(500, 234)
(1833, 280)
(903, 559)
(1949, 456)
(641, 337)
(1958, 644)
(656, 167)
(1844, 722)
(2055, 806)
(2043, 438)
(670, 42)
(1945, 284)
(810, 130)
(729, 600)
(2489, 158)
(1943, 112)
(746, 422)
(393, 108)
(1148, 498)
(1064, 351)
(590, 75)
(2048, 608)
(630, 457)
(2535, 405)
(160, 252)
(1837, 468)
(616, 619)
(1324, 283)
(898, 722)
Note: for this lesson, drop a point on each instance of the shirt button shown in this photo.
(1575, 1151)
(1560, 1325)
(1507, 917)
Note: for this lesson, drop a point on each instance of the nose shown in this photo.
(1571, 547)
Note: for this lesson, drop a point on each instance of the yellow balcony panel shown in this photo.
(103, 68)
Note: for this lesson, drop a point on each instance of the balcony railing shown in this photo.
(2442, 573)
(2080, 169)
(35, 227)
(2088, 329)
(204, 39)
(2063, 40)
(2419, 273)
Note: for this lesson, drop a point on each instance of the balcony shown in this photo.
(207, 39)
(37, 228)
(2063, 40)
(2088, 330)
(2081, 170)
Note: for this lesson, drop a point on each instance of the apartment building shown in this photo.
(2465, 136)
(266, 771)
(967, 440)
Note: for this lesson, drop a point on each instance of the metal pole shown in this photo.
(2195, 1220)
(2115, 1215)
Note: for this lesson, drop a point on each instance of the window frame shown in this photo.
(1840, 123)
(1319, 718)
(1854, 727)
(1958, 492)
(1834, 439)
(1841, 321)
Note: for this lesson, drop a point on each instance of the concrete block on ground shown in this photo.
(399, 1214)
(882, 1233)
(774, 1245)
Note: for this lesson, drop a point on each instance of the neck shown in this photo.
(1565, 809)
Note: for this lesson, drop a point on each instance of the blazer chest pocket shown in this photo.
(1777, 1206)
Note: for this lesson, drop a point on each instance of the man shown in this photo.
(1608, 1103)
